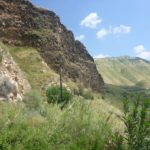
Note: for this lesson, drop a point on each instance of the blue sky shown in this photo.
(106, 27)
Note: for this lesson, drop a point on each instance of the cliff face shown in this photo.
(23, 24)
(13, 84)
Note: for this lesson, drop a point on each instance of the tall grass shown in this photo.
(76, 127)
(137, 121)
(81, 125)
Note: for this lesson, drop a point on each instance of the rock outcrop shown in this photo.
(13, 84)
(23, 24)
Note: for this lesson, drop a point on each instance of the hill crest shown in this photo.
(124, 71)
(23, 24)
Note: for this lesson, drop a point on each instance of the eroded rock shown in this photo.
(23, 24)
(13, 84)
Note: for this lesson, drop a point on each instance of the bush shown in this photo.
(137, 125)
(87, 94)
(6, 86)
(21, 136)
(33, 102)
(54, 95)
(137, 133)
(77, 128)
(115, 142)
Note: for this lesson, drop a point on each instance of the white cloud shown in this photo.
(118, 30)
(91, 21)
(141, 52)
(80, 37)
(102, 33)
(139, 49)
(100, 56)
(122, 29)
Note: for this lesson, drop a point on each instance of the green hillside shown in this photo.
(124, 77)
(125, 71)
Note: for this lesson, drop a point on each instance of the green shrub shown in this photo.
(54, 95)
(33, 102)
(137, 124)
(21, 136)
(115, 142)
(75, 128)
(87, 94)
(79, 129)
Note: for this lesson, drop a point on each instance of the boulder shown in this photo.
(8, 88)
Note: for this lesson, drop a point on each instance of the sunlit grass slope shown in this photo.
(125, 71)
(37, 72)
(32, 65)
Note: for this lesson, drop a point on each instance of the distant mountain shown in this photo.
(125, 71)
(125, 78)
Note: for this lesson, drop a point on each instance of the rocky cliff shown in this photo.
(13, 84)
(22, 24)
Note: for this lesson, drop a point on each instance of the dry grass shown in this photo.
(36, 70)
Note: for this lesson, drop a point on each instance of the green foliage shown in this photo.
(73, 128)
(33, 102)
(21, 136)
(31, 63)
(85, 93)
(41, 32)
(124, 71)
(137, 132)
(137, 125)
(54, 95)
(78, 129)
(116, 143)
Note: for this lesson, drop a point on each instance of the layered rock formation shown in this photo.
(13, 84)
(23, 24)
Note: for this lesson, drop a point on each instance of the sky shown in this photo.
(108, 28)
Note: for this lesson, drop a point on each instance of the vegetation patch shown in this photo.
(77, 126)
(30, 62)
(57, 95)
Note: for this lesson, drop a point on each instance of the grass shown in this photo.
(116, 94)
(81, 125)
(124, 71)
(41, 32)
(30, 62)
(124, 77)
(39, 75)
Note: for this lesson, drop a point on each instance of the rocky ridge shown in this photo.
(23, 24)
(13, 84)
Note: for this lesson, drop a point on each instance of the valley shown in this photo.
(55, 96)
(125, 78)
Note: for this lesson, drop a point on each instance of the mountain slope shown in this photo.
(25, 25)
(125, 71)
(13, 83)
(125, 78)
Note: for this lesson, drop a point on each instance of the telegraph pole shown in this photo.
(61, 90)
